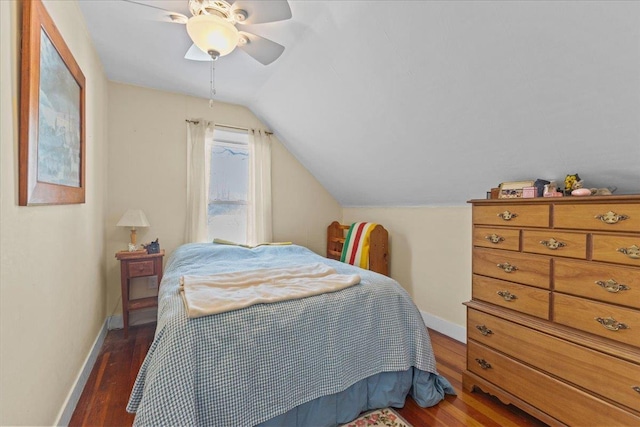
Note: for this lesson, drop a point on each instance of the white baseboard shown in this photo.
(110, 323)
(64, 417)
(458, 333)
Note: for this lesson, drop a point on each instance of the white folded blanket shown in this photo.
(217, 293)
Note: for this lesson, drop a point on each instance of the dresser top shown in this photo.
(626, 198)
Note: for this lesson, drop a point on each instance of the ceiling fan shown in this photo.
(217, 27)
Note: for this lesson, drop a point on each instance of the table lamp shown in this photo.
(133, 218)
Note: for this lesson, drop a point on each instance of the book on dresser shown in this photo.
(553, 326)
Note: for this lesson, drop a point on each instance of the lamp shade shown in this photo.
(133, 218)
(211, 32)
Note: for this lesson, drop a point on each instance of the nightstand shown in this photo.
(137, 264)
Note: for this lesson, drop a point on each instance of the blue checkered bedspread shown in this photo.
(246, 366)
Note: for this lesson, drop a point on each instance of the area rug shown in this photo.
(379, 418)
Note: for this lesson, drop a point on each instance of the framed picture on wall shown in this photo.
(513, 190)
(51, 164)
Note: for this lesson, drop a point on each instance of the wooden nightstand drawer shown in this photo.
(603, 282)
(499, 238)
(618, 249)
(606, 320)
(610, 217)
(512, 214)
(525, 299)
(558, 243)
(579, 365)
(568, 404)
(141, 268)
(528, 269)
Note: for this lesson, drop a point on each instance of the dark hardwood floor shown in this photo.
(105, 396)
(464, 409)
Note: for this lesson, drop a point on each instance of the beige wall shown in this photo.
(302, 208)
(430, 251)
(52, 285)
(147, 170)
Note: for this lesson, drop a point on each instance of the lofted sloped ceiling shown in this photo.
(391, 103)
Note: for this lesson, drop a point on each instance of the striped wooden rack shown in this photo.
(378, 246)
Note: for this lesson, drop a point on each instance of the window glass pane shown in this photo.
(229, 173)
(228, 221)
(228, 186)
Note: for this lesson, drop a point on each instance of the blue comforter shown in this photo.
(248, 366)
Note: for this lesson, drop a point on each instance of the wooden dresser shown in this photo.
(554, 323)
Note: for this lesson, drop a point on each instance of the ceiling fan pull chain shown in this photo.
(213, 82)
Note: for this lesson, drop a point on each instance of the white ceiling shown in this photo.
(392, 103)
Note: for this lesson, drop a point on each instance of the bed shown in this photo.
(316, 361)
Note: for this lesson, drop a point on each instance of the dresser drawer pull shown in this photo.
(508, 268)
(612, 286)
(494, 238)
(611, 324)
(484, 330)
(507, 216)
(483, 363)
(636, 388)
(611, 217)
(508, 296)
(632, 251)
(553, 244)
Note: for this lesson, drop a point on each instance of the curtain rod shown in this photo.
(195, 122)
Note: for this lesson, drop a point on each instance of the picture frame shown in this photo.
(52, 144)
(513, 190)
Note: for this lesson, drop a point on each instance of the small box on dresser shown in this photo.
(553, 326)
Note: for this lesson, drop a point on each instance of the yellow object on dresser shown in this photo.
(553, 326)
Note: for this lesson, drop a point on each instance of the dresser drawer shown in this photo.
(576, 364)
(563, 402)
(525, 299)
(605, 216)
(500, 238)
(608, 283)
(141, 268)
(588, 316)
(551, 242)
(527, 269)
(618, 249)
(512, 214)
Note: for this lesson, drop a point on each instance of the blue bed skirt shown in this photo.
(378, 391)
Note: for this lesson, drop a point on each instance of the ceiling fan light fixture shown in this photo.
(213, 33)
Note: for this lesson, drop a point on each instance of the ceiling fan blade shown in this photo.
(162, 14)
(262, 50)
(145, 5)
(260, 11)
(178, 18)
(196, 54)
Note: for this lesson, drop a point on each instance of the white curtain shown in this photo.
(196, 224)
(259, 227)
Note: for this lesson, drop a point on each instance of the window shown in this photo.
(227, 167)
(228, 184)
